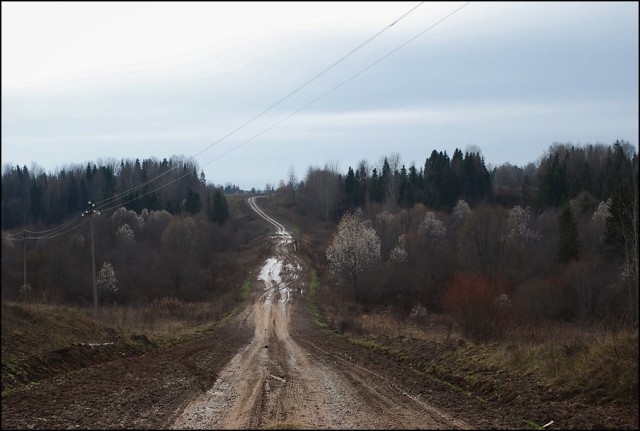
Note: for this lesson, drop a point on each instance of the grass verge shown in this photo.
(318, 317)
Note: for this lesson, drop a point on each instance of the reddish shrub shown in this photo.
(479, 306)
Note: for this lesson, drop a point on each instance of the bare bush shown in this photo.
(418, 313)
(480, 307)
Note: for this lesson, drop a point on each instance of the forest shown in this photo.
(555, 239)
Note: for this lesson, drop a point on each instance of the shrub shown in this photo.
(480, 307)
(545, 298)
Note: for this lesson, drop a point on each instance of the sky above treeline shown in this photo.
(251, 91)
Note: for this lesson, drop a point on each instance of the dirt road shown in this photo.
(271, 366)
(278, 378)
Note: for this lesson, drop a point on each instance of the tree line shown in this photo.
(32, 197)
(560, 174)
(160, 231)
(556, 239)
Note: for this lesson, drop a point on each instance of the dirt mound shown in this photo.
(39, 342)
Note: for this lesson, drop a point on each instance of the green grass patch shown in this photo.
(314, 284)
(372, 345)
(532, 425)
(245, 290)
(318, 317)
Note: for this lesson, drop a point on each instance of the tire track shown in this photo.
(275, 381)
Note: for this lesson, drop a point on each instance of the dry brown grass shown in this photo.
(169, 317)
(432, 328)
(164, 316)
(599, 363)
(595, 363)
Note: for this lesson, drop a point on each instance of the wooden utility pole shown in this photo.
(24, 254)
(92, 211)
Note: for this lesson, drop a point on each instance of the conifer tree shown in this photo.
(217, 207)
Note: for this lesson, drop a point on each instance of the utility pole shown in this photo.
(92, 211)
(24, 254)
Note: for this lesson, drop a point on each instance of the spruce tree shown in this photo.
(218, 209)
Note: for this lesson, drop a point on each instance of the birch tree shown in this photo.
(355, 248)
(519, 231)
(431, 227)
(106, 278)
(461, 210)
(126, 235)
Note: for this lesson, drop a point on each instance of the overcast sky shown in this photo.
(84, 81)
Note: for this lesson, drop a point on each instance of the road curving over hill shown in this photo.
(281, 378)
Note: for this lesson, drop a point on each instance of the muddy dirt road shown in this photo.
(279, 379)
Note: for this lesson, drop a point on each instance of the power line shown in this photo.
(107, 201)
(318, 75)
(338, 86)
(12, 236)
(319, 97)
(251, 120)
(36, 233)
(103, 205)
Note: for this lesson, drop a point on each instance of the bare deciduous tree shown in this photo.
(482, 241)
(389, 229)
(399, 253)
(177, 245)
(322, 187)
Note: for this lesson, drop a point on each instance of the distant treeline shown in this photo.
(36, 198)
(562, 173)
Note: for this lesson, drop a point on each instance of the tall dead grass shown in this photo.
(163, 316)
(435, 327)
(597, 362)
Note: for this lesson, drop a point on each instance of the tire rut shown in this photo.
(282, 379)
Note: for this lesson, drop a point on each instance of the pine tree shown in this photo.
(193, 203)
(217, 207)
(351, 189)
(553, 188)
